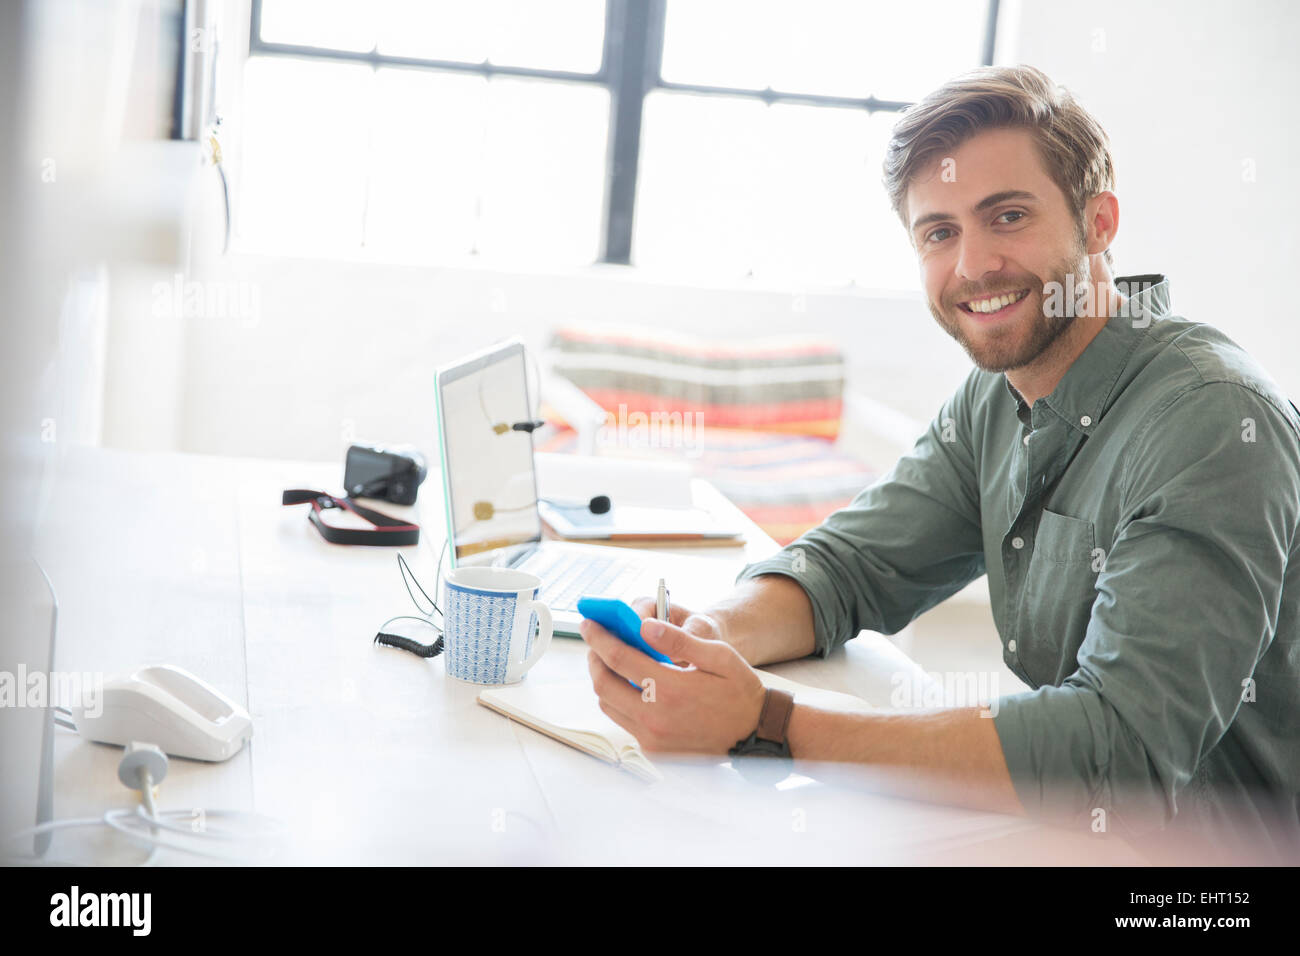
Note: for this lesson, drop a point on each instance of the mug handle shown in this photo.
(543, 641)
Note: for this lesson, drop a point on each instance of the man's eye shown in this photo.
(931, 236)
(1013, 212)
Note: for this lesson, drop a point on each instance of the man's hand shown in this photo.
(705, 704)
(712, 699)
(766, 619)
(705, 626)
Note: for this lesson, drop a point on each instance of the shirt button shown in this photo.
(1011, 645)
(1017, 543)
(1085, 421)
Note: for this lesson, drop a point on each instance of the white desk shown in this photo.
(368, 754)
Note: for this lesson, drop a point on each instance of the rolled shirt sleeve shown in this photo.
(1187, 602)
(901, 546)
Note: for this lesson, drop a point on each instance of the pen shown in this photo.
(662, 608)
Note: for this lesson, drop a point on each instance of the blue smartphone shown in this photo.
(620, 620)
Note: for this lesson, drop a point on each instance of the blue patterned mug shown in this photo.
(489, 622)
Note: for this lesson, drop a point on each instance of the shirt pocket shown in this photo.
(1056, 603)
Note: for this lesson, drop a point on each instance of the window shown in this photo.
(722, 138)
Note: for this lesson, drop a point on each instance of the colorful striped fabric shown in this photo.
(791, 385)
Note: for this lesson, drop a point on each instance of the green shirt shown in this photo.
(1138, 530)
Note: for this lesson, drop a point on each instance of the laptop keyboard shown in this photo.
(565, 578)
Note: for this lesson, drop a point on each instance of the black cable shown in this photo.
(407, 643)
(410, 644)
(535, 421)
(437, 576)
(408, 577)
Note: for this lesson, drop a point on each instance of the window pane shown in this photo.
(435, 30)
(426, 163)
(540, 34)
(718, 43)
(303, 173)
(509, 169)
(543, 171)
(698, 183)
(332, 24)
(421, 165)
(789, 193)
(549, 34)
(853, 48)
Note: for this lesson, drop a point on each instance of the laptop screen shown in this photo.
(487, 463)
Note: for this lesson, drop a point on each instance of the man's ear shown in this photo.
(1101, 220)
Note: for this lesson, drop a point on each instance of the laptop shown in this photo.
(485, 422)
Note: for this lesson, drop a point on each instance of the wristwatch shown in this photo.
(768, 739)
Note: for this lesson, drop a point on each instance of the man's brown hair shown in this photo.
(1073, 146)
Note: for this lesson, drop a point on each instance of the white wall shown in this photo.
(1187, 92)
(347, 350)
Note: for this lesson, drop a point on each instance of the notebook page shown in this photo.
(568, 707)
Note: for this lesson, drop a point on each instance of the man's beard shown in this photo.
(1007, 348)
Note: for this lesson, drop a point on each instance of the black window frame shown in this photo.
(631, 67)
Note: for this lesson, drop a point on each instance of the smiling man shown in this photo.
(1129, 481)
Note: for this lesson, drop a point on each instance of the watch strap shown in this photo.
(774, 718)
(768, 739)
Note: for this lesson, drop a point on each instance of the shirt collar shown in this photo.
(1086, 390)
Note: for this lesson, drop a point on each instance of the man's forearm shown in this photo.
(945, 756)
(768, 619)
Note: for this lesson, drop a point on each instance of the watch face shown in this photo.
(756, 746)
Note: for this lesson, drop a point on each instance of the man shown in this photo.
(1128, 480)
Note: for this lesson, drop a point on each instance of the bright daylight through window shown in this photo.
(508, 132)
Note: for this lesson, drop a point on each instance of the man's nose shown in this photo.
(978, 256)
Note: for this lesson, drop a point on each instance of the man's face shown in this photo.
(988, 220)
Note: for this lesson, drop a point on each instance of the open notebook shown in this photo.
(570, 713)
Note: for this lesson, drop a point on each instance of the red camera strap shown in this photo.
(387, 531)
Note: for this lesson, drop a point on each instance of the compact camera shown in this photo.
(393, 473)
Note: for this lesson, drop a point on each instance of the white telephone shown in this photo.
(169, 707)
